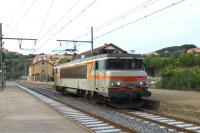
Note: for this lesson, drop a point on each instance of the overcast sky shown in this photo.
(49, 20)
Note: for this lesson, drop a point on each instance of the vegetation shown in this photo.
(180, 78)
(180, 71)
(16, 65)
(64, 60)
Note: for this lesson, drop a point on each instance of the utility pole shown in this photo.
(92, 40)
(11, 69)
(80, 41)
(1, 58)
(25, 69)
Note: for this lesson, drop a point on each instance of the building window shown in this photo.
(42, 63)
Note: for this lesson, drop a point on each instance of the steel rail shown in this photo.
(123, 128)
(172, 117)
(129, 114)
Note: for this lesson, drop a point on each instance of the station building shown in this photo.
(41, 71)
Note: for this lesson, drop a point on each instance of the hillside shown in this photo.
(16, 64)
(175, 50)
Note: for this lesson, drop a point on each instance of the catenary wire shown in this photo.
(24, 14)
(67, 24)
(141, 18)
(45, 18)
(134, 21)
(137, 20)
(60, 19)
(15, 14)
(44, 21)
(122, 16)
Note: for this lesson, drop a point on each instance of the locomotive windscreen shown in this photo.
(124, 64)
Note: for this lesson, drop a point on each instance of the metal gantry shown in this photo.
(2, 71)
(80, 41)
(1, 58)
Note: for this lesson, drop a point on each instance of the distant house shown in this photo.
(41, 71)
(194, 51)
(4, 50)
(54, 59)
(106, 48)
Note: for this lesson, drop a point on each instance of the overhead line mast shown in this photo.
(81, 41)
(2, 80)
(1, 58)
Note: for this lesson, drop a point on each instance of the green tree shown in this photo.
(64, 60)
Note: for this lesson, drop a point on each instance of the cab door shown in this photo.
(101, 75)
(91, 80)
(96, 73)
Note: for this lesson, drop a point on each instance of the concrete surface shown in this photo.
(20, 112)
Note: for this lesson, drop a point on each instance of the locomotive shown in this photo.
(107, 77)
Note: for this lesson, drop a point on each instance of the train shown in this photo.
(110, 77)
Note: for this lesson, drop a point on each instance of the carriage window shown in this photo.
(96, 65)
(124, 64)
(101, 64)
(74, 72)
(133, 64)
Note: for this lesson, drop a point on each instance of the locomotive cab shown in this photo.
(121, 78)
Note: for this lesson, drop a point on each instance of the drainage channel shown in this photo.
(91, 123)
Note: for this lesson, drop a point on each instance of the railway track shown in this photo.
(173, 123)
(126, 120)
(87, 120)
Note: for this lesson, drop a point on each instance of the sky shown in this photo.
(140, 25)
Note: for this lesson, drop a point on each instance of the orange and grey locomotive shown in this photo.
(106, 76)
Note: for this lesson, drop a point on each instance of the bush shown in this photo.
(180, 78)
(177, 72)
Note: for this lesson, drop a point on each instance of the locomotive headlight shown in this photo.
(141, 83)
(112, 84)
(116, 83)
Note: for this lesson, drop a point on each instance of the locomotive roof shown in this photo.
(113, 55)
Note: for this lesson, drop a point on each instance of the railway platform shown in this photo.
(21, 112)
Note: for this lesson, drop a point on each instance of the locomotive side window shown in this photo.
(138, 64)
(123, 64)
(133, 64)
(96, 65)
(101, 64)
(78, 72)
